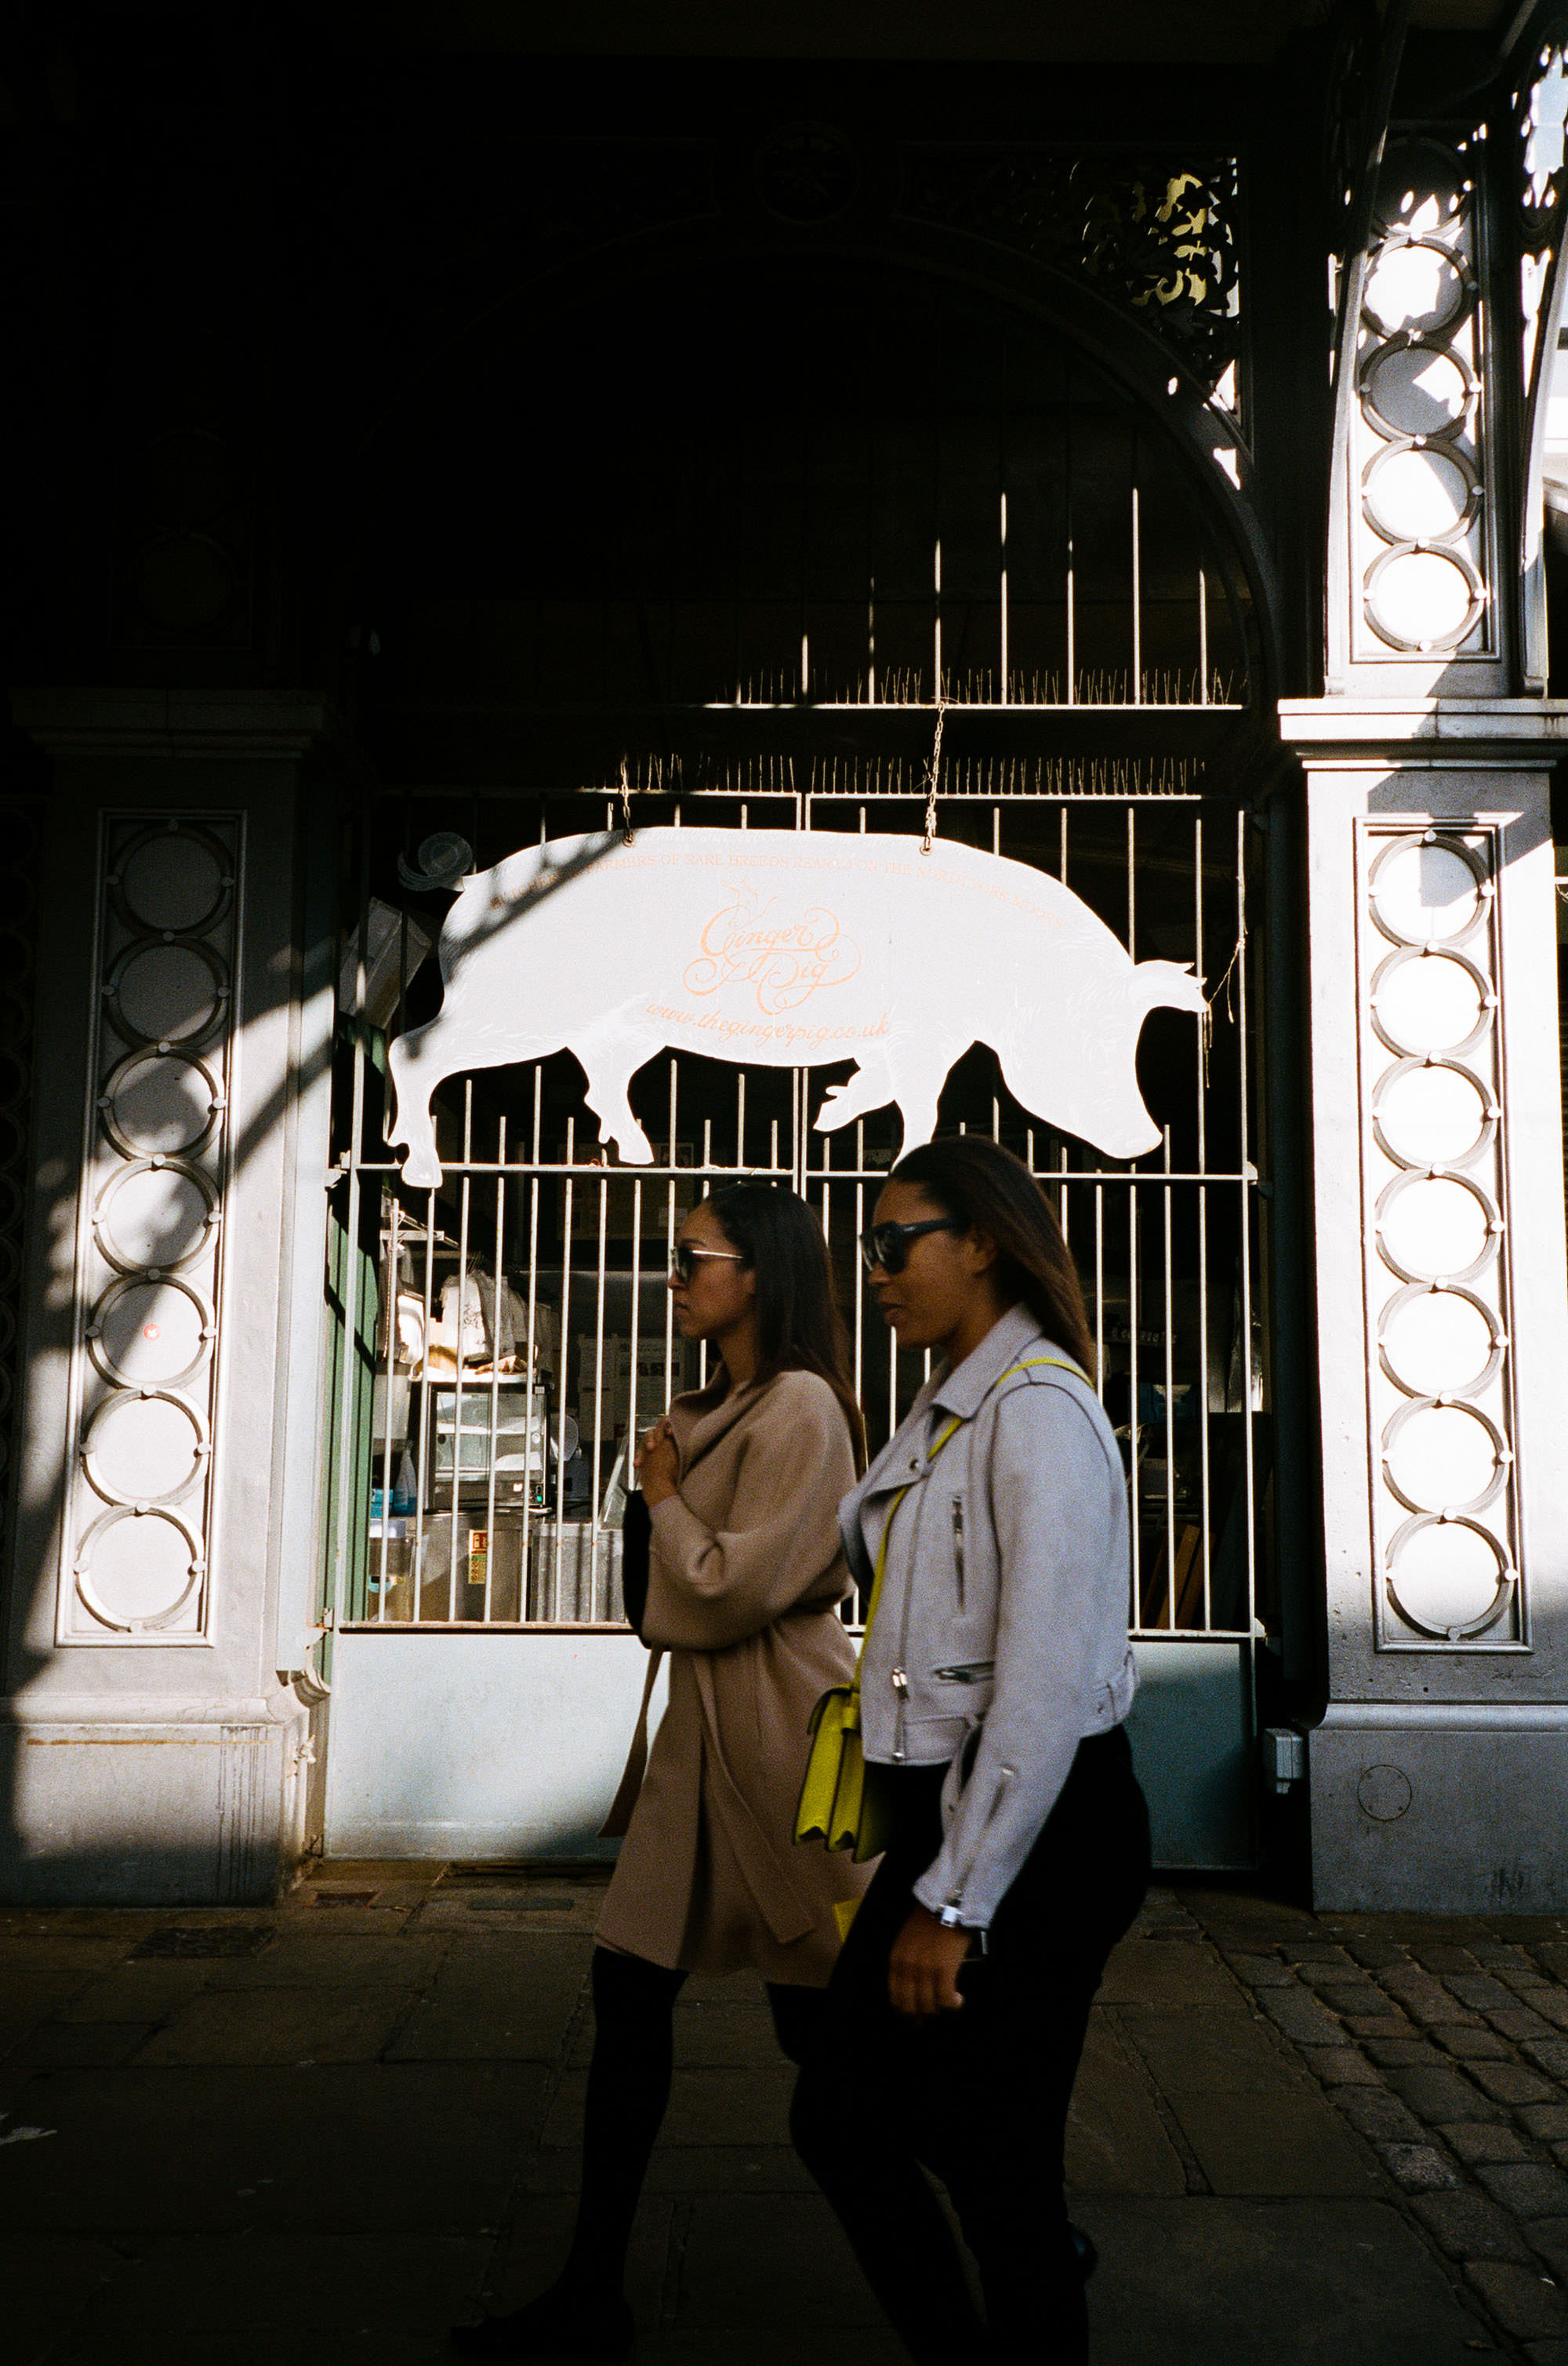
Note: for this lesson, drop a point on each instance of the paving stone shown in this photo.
(1553, 1956)
(1221, 2282)
(1473, 2045)
(1529, 2189)
(1520, 2020)
(1471, 2226)
(48, 2280)
(1272, 2144)
(337, 1959)
(380, 2146)
(727, 2107)
(1420, 2168)
(132, 1992)
(1548, 2054)
(1346, 1997)
(1551, 2004)
(1426, 2001)
(76, 2045)
(506, 1998)
(1474, 2141)
(1375, 1954)
(1439, 2095)
(1143, 1972)
(1403, 2053)
(1521, 2300)
(1116, 2141)
(1377, 2113)
(1224, 2054)
(1549, 2238)
(1341, 2066)
(1313, 1951)
(1442, 1955)
(1301, 2017)
(1386, 2027)
(278, 2025)
(1262, 1971)
(1547, 2353)
(1511, 2082)
(270, 2282)
(1480, 1993)
(1544, 2120)
(1493, 1955)
(1560, 2154)
(752, 2258)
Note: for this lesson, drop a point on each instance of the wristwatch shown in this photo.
(950, 1919)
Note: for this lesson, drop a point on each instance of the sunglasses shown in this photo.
(683, 1259)
(887, 1245)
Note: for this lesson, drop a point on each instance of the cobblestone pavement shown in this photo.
(1443, 2042)
(322, 2132)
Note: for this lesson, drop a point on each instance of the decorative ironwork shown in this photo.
(1436, 1277)
(20, 828)
(1419, 432)
(1155, 233)
(151, 1244)
(1541, 124)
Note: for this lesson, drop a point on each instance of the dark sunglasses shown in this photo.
(683, 1259)
(888, 1245)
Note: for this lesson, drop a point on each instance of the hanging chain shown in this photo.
(931, 778)
(627, 830)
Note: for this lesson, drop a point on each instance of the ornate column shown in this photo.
(159, 1690)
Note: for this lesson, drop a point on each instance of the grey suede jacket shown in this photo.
(1004, 1602)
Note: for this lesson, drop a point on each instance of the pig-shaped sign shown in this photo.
(788, 948)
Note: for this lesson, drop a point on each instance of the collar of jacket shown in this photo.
(963, 1389)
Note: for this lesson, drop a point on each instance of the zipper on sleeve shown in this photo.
(959, 1546)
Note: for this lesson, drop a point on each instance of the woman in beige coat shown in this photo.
(747, 1573)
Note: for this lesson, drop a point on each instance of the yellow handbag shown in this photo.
(845, 1802)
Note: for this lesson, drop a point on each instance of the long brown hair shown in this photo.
(799, 1326)
(984, 1186)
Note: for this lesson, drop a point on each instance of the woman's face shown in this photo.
(722, 1293)
(938, 1290)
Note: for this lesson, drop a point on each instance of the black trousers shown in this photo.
(978, 2097)
(628, 2095)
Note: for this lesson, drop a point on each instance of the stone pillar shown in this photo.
(159, 1691)
(1440, 1772)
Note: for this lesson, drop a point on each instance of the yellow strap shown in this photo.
(1063, 1363)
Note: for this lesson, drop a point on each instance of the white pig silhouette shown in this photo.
(788, 948)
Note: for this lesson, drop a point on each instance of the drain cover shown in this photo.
(231, 1939)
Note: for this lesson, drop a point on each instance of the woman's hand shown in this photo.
(657, 1463)
(923, 1969)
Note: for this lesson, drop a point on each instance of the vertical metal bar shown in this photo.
(562, 1374)
(669, 1244)
(1067, 515)
(1245, 1189)
(1203, 637)
(1137, 590)
(936, 616)
(1169, 1397)
(390, 1304)
(425, 1477)
(1203, 1230)
(349, 1366)
(595, 1458)
(1002, 597)
(536, 1187)
(464, 1189)
(858, 1267)
(1133, 1250)
(1099, 1291)
(497, 1285)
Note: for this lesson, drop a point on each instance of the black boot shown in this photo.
(560, 2323)
(1088, 2257)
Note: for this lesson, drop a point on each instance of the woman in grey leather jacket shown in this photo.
(994, 1681)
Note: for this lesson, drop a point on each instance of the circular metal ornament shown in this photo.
(1401, 1189)
(1391, 969)
(198, 1032)
(1397, 854)
(148, 1285)
(1410, 372)
(119, 1085)
(1417, 1063)
(178, 924)
(1375, 589)
(1414, 1292)
(1457, 1632)
(1403, 255)
(162, 1258)
(112, 1407)
(1501, 1457)
(1387, 477)
(154, 1621)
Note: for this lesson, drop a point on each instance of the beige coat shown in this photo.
(746, 1571)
